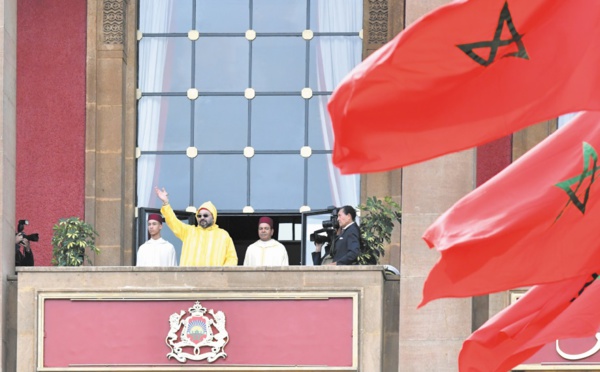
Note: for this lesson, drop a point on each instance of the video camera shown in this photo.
(327, 233)
(31, 237)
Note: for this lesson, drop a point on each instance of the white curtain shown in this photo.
(336, 56)
(156, 17)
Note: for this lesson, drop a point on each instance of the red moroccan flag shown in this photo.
(467, 73)
(546, 313)
(537, 221)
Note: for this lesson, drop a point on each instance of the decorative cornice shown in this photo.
(114, 21)
(378, 22)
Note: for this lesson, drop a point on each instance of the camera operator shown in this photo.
(24, 258)
(345, 247)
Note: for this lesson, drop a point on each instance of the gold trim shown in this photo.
(207, 296)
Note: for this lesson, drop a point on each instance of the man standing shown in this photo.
(24, 258)
(266, 251)
(346, 245)
(156, 251)
(205, 244)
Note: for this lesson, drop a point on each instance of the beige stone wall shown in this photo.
(431, 336)
(111, 128)
(369, 283)
(8, 80)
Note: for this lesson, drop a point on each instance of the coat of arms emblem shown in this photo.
(201, 335)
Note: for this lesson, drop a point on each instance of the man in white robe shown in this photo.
(266, 251)
(156, 251)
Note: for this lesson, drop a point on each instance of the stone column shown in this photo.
(431, 336)
(110, 128)
(8, 109)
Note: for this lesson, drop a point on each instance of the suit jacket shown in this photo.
(347, 246)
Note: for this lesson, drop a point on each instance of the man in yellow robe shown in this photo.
(203, 245)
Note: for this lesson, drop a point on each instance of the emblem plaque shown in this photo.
(198, 336)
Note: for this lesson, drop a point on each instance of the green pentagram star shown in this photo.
(590, 167)
(497, 42)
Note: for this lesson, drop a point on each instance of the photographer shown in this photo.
(345, 247)
(24, 258)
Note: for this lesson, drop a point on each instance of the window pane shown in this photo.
(222, 64)
(320, 133)
(160, 16)
(278, 123)
(331, 59)
(162, 120)
(279, 16)
(223, 16)
(181, 19)
(222, 180)
(221, 123)
(165, 64)
(277, 182)
(336, 15)
(278, 64)
(170, 172)
(320, 192)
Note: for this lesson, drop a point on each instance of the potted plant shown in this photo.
(376, 226)
(70, 239)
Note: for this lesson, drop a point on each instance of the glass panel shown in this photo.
(276, 182)
(331, 59)
(165, 64)
(320, 185)
(222, 180)
(336, 15)
(221, 123)
(162, 121)
(170, 172)
(320, 133)
(279, 16)
(181, 19)
(160, 16)
(223, 16)
(278, 123)
(222, 64)
(278, 64)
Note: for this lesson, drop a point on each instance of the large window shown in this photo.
(232, 102)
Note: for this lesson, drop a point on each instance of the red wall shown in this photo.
(51, 54)
(492, 158)
(304, 332)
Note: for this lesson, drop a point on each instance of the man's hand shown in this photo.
(318, 247)
(162, 195)
(25, 244)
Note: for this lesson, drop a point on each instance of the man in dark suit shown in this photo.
(346, 245)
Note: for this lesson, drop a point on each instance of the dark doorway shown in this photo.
(243, 229)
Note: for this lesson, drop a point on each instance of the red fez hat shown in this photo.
(155, 217)
(266, 220)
